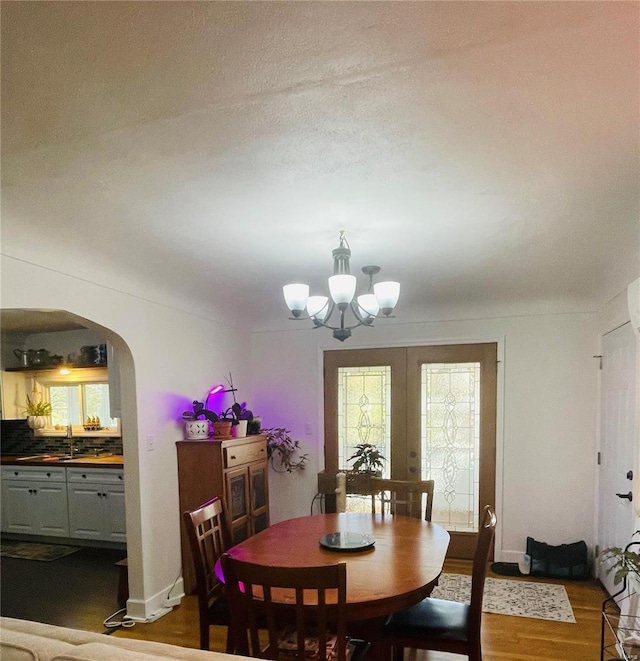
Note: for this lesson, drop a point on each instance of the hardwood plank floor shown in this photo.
(505, 638)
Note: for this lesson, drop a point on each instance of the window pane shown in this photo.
(73, 404)
(450, 441)
(65, 405)
(96, 403)
(364, 416)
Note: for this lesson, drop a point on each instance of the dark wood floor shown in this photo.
(80, 591)
(505, 638)
(77, 591)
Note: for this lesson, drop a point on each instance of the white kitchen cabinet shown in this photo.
(34, 501)
(96, 504)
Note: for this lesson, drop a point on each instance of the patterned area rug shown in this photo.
(35, 551)
(544, 601)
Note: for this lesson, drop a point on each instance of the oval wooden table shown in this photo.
(400, 570)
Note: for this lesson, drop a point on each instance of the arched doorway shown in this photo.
(24, 326)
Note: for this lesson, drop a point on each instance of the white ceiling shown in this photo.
(485, 154)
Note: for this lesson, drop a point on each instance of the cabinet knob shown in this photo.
(119, 477)
(48, 474)
(84, 476)
(15, 472)
(233, 456)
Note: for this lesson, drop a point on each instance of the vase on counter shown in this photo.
(196, 429)
(36, 421)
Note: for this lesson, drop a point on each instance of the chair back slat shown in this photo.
(208, 535)
(208, 539)
(310, 599)
(402, 497)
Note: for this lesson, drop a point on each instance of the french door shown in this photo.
(431, 410)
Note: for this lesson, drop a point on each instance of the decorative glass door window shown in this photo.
(450, 441)
(364, 416)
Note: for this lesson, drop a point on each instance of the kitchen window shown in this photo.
(77, 404)
(80, 399)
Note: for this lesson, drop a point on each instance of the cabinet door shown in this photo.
(259, 497)
(85, 511)
(18, 507)
(51, 516)
(237, 491)
(115, 529)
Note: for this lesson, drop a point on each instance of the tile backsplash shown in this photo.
(18, 439)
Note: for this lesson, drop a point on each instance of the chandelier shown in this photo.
(380, 298)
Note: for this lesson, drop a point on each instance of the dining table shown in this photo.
(394, 562)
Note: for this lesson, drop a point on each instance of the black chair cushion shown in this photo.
(431, 618)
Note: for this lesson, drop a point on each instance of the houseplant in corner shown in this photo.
(283, 451)
(624, 562)
(37, 410)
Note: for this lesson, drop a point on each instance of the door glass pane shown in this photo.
(364, 416)
(450, 441)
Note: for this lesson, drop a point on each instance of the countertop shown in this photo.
(105, 461)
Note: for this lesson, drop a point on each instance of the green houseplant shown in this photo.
(283, 452)
(624, 561)
(367, 463)
(37, 410)
(368, 459)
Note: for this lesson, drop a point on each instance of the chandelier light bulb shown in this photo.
(296, 295)
(387, 294)
(369, 305)
(342, 288)
(317, 307)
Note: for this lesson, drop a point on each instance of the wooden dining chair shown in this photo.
(445, 626)
(402, 497)
(310, 614)
(208, 535)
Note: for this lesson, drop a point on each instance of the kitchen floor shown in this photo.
(77, 591)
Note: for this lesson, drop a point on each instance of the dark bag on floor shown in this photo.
(564, 561)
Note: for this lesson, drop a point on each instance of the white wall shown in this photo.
(168, 357)
(547, 415)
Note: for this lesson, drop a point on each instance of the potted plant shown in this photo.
(283, 451)
(367, 463)
(37, 410)
(195, 426)
(237, 414)
(625, 561)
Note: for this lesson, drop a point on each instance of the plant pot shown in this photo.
(196, 429)
(239, 430)
(36, 421)
(360, 482)
(222, 428)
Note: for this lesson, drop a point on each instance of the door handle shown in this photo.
(627, 496)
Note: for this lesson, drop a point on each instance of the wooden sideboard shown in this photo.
(235, 469)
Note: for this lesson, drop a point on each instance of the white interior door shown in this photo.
(617, 443)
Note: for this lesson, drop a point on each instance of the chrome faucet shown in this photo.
(72, 447)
